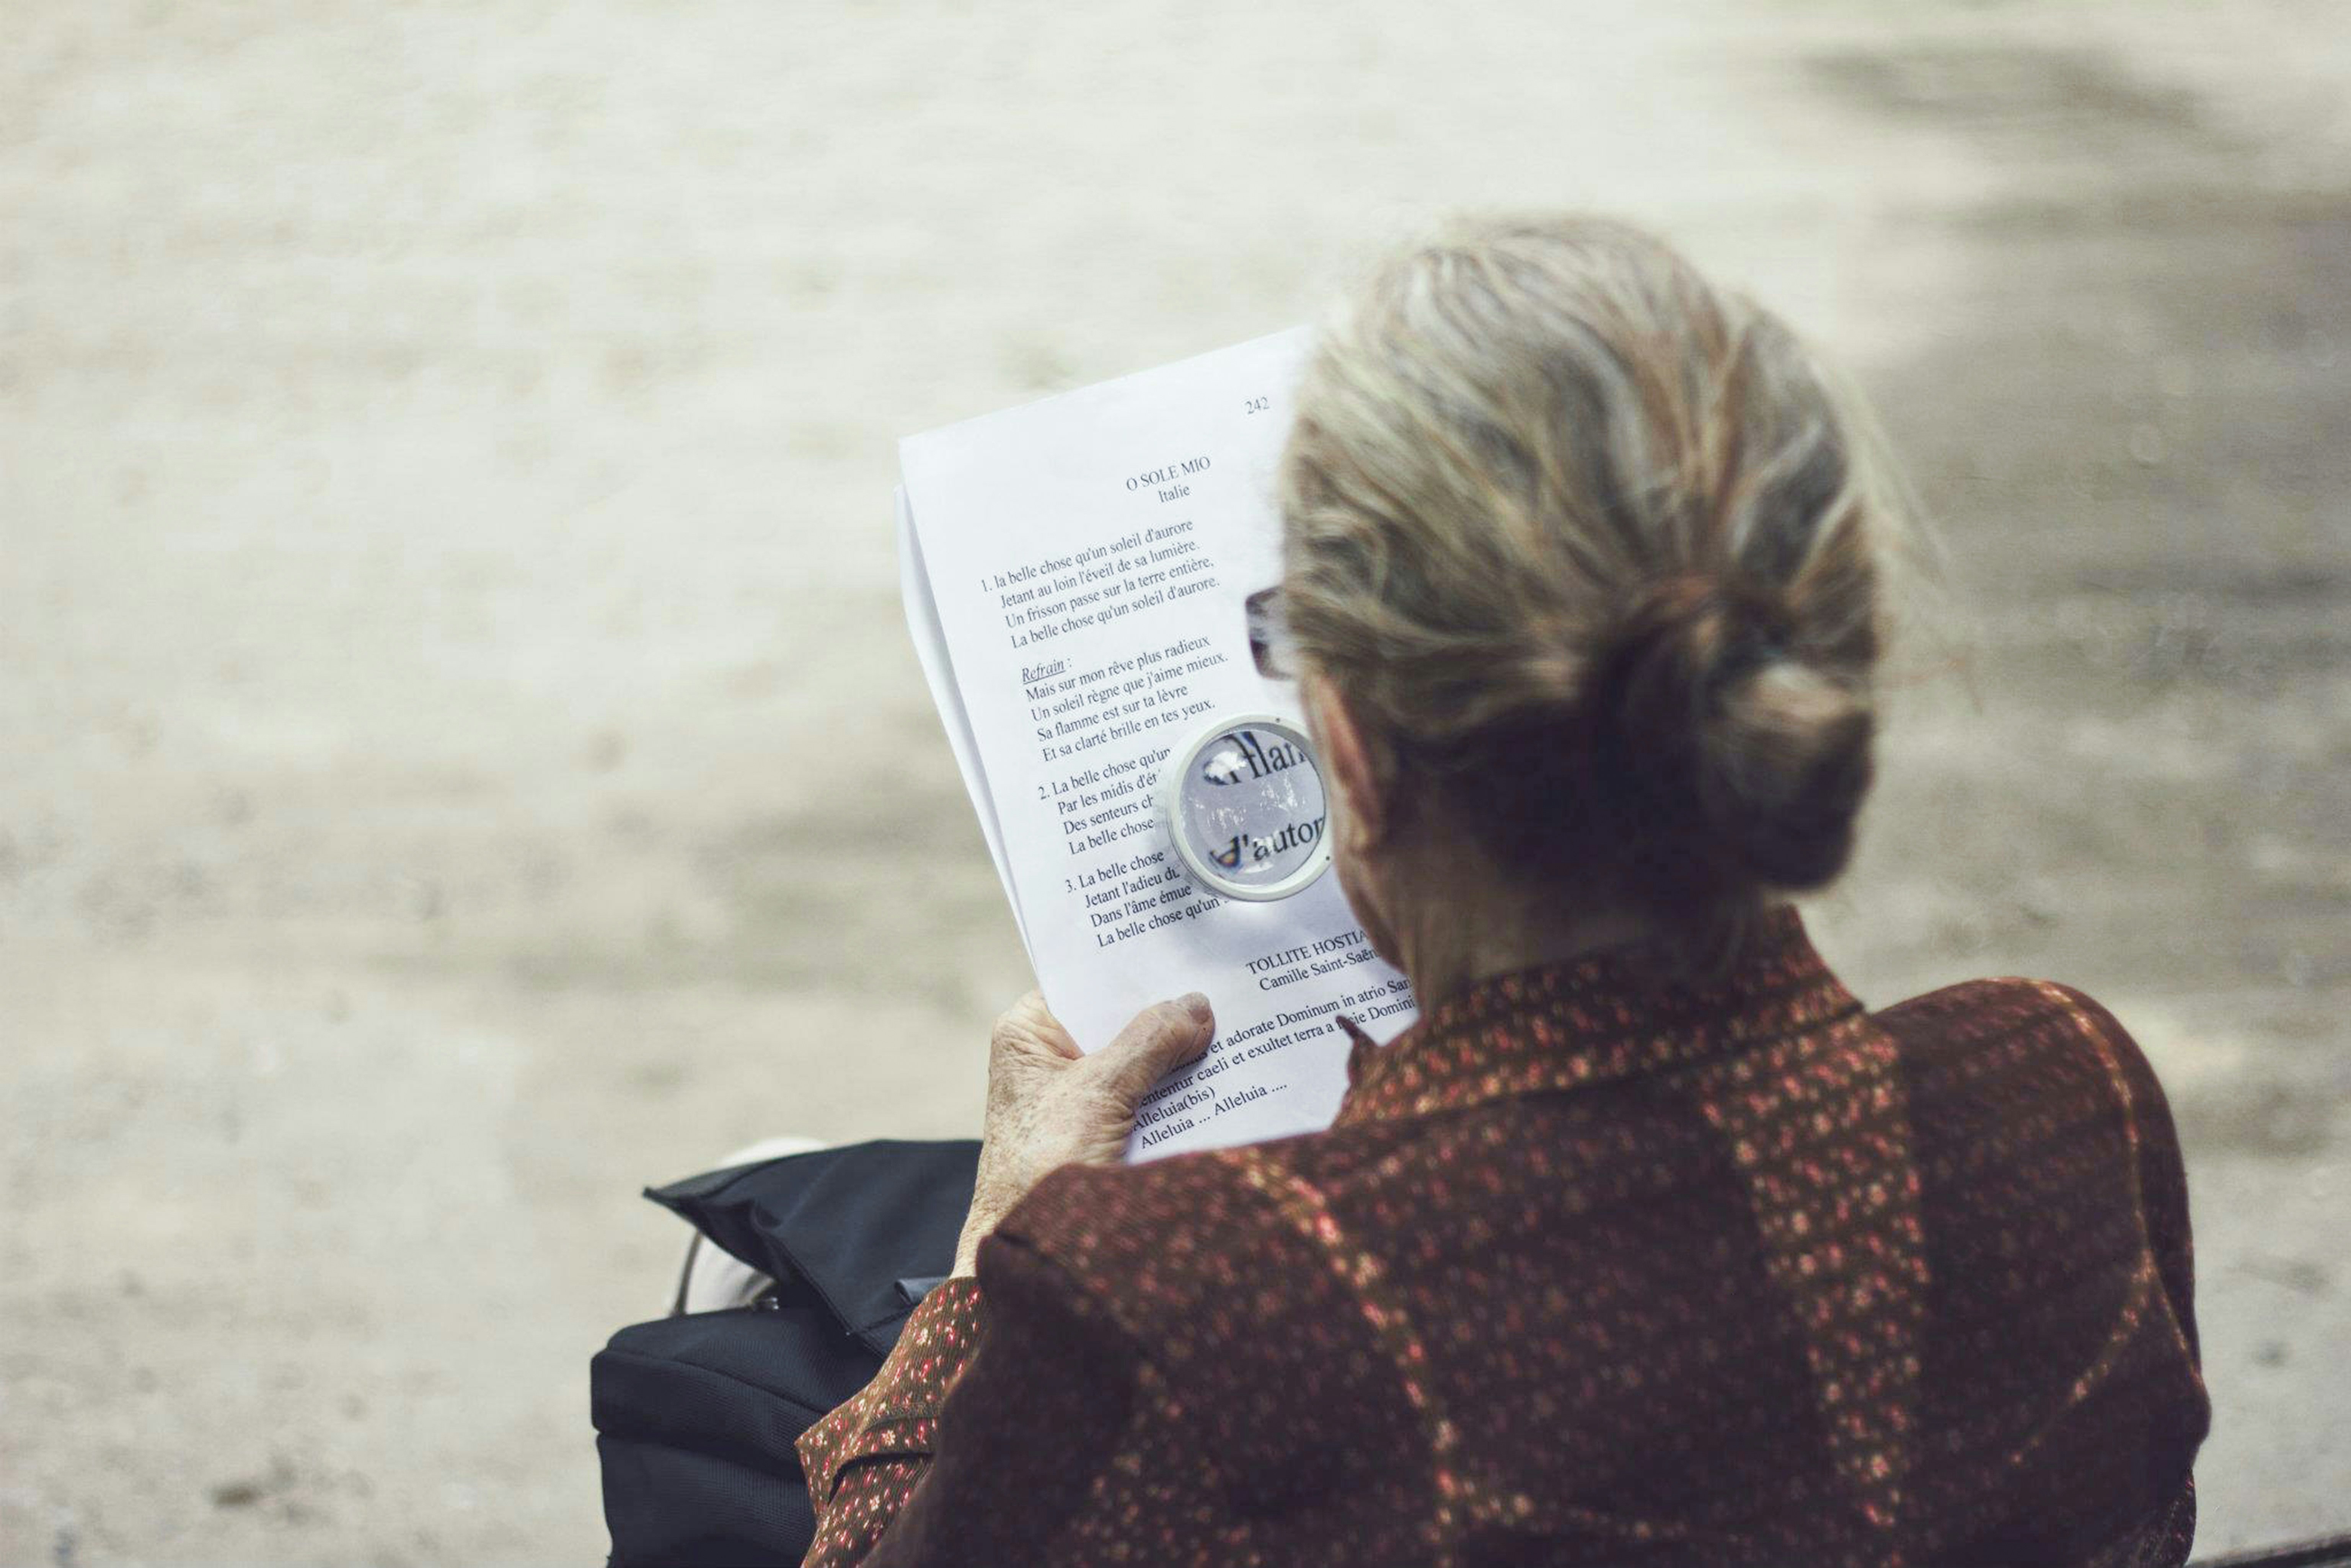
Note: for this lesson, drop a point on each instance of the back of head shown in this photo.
(1592, 546)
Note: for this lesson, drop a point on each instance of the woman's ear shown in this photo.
(1350, 764)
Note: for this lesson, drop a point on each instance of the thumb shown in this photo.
(1162, 1037)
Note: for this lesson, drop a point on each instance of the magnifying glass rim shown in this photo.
(1179, 765)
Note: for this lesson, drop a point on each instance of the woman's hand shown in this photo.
(1050, 1104)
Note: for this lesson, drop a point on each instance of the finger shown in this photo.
(1162, 1037)
(1028, 1025)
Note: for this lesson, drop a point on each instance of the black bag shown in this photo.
(697, 1416)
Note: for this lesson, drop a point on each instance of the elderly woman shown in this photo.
(1648, 1243)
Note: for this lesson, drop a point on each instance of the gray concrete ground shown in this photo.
(462, 759)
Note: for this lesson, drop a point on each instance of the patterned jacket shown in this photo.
(1592, 1268)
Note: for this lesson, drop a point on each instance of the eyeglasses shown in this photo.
(1272, 645)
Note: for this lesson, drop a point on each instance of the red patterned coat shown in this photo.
(1590, 1269)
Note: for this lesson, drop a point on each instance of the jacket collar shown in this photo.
(1595, 1019)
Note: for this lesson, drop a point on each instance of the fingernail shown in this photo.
(1195, 1003)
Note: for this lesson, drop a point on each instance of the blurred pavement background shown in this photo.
(461, 759)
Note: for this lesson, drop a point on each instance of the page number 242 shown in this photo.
(1257, 405)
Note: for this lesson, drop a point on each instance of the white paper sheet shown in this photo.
(1075, 573)
(938, 670)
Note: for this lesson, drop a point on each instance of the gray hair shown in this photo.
(1595, 547)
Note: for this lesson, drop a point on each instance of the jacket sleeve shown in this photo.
(1010, 1443)
(864, 1458)
(2164, 1540)
(2163, 1174)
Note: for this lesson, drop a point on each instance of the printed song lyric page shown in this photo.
(1075, 573)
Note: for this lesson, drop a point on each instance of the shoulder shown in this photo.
(1174, 1248)
(2031, 1018)
(2026, 1046)
(1996, 1006)
(1231, 1277)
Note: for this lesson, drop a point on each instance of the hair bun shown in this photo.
(1712, 728)
(1594, 545)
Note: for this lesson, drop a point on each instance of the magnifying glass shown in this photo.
(1244, 806)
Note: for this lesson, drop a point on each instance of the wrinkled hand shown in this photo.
(1050, 1104)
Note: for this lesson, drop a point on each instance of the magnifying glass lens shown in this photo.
(1246, 808)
